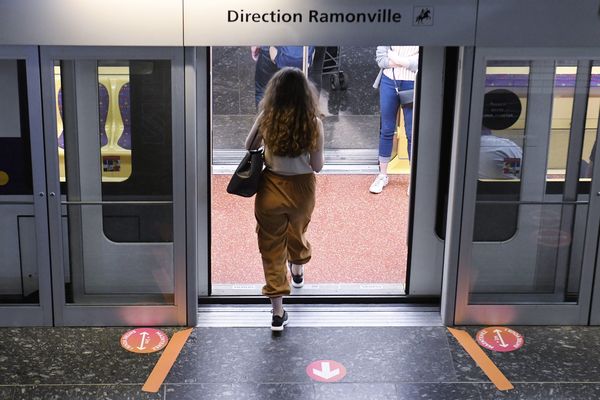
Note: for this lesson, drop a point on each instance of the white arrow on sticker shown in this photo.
(325, 371)
(498, 332)
(143, 342)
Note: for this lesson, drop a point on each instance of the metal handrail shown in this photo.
(101, 203)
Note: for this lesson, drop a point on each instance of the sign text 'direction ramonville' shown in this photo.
(385, 15)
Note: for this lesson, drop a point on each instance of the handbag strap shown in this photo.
(394, 75)
(394, 79)
(254, 138)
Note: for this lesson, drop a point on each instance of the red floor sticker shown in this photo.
(553, 238)
(144, 340)
(326, 371)
(499, 338)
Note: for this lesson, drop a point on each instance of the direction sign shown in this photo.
(144, 340)
(499, 338)
(326, 371)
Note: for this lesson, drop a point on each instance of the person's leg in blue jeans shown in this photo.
(388, 103)
(265, 69)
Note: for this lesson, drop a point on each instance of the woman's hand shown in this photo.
(254, 52)
(398, 61)
(273, 53)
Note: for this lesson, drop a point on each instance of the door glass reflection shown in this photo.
(117, 180)
(19, 280)
(528, 240)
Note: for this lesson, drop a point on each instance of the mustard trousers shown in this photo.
(283, 207)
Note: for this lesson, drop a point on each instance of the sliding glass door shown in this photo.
(115, 157)
(529, 233)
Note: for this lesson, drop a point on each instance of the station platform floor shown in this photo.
(401, 362)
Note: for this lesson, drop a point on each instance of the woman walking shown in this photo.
(289, 126)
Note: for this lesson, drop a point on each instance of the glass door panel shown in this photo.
(24, 265)
(117, 153)
(532, 231)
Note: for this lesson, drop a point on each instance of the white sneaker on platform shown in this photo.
(379, 183)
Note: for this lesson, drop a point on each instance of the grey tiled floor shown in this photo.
(252, 363)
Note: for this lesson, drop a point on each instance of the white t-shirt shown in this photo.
(303, 164)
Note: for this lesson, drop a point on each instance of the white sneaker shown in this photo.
(379, 183)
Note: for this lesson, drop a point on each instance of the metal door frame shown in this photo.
(464, 184)
(90, 315)
(26, 314)
(425, 259)
(425, 247)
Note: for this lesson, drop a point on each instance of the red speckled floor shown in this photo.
(356, 236)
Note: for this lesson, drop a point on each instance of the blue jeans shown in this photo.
(265, 69)
(389, 103)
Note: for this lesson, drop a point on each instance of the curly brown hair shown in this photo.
(289, 124)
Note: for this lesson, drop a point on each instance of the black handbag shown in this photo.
(405, 96)
(246, 177)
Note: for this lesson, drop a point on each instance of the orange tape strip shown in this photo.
(484, 362)
(166, 361)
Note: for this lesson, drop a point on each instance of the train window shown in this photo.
(503, 137)
(501, 154)
(19, 271)
(114, 122)
(591, 127)
(562, 109)
(137, 158)
(58, 101)
(133, 149)
(15, 149)
(117, 189)
(529, 232)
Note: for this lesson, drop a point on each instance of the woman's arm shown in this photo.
(381, 56)
(317, 158)
(250, 143)
(411, 62)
